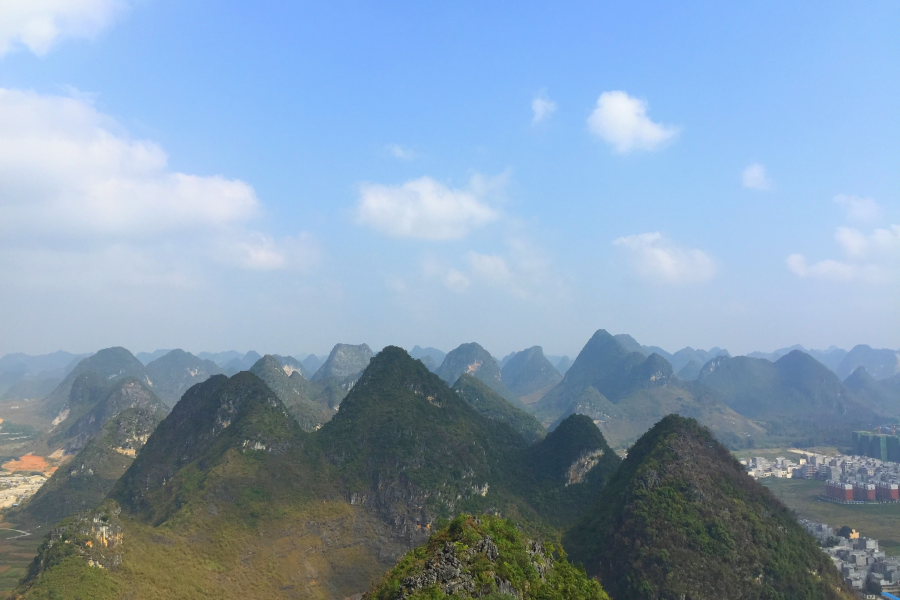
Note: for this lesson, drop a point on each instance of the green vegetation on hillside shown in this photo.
(230, 498)
(492, 405)
(173, 373)
(84, 482)
(797, 399)
(625, 393)
(305, 400)
(485, 557)
(529, 372)
(471, 358)
(109, 365)
(93, 402)
(680, 518)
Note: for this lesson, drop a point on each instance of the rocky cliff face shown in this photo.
(303, 399)
(107, 402)
(83, 483)
(109, 365)
(345, 361)
(472, 359)
(484, 557)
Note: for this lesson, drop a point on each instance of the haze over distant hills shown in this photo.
(796, 396)
(231, 479)
(474, 360)
(174, 372)
(430, 357)
(346, 361)
(109, 364)
(316, 487)
(625, 392)
(528, 374)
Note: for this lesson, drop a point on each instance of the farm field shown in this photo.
(879, 521)
(16, 553)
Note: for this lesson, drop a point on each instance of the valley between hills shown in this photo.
(420, 474)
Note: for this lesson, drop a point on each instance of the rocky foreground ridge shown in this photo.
(485, 557)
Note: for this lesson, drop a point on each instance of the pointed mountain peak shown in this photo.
(109, 364)
(93, 402)
(467, 358)
(173, 373)
(471, 358)
(345, 361)
(393, 369)
(493, 406)
(267, 363)
(727, 530)
(570, 450)
(714, 364)
(655, 361)
(860, 375)
(300, 397)
(529, 372)
(212, 418)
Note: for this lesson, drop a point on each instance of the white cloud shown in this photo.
(859, 209)
(622, 121)
(852, 241)
(755, 178)
(881, 243)
(426, 209)
(658, 260)
(39, 24)
(834, 270)
(71, 178)
(542, 107)
(64, 169)
(873, 257)
(400, 152)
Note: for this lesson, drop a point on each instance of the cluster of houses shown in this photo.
(16, 487)
(811, 467)
(857, 558)
(849, 479)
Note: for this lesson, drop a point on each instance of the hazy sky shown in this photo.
(282, 176)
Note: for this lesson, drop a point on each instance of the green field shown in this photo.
(879, 521)
(15, 556)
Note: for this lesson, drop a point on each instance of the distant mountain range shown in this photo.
(453, 493)
(625, 392)
(795, 397)
(529, 375)
(229, 478)
(430, 357)
(474, 360)
(346, 361)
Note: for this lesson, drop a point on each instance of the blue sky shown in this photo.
(283, 176)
